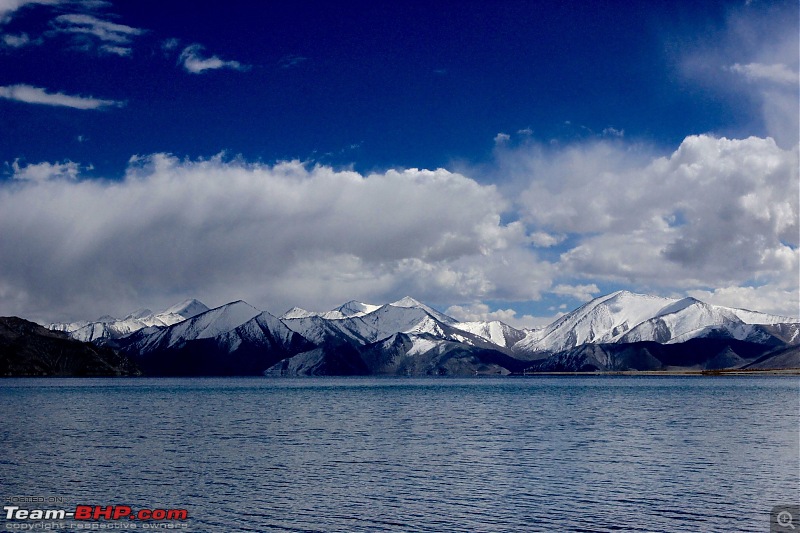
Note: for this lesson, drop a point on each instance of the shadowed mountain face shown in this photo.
(695, 354)
(28, 349)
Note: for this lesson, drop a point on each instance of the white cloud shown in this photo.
(777, 73)
(45, 171)
(87, 32)
(38, 95)
(545, 240)
(715, 213)
(17, 41)
(276, 236)
(194, 62)
(502, 138)
(584, 293)
(754, 64)
(92, 33)
(170, 44)
(109, 32)
(769, 299)
(121, 51)
(8, 7)
(479, 312)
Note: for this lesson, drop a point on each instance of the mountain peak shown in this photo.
(187, 308)
(407, 301)
(679, 305)
(410, 303)
(297, 312)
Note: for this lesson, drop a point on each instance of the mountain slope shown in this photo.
(114, 328)
(216, 343)
(496, 332)
(695, 354)
(28, 349)
(624, 317)
(401, 354)
(618, 331)
(206, 325)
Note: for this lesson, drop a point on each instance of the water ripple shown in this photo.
(492, 455)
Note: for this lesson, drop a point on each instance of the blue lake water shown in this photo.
(363, 454)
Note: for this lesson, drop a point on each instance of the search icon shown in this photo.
(785, 519)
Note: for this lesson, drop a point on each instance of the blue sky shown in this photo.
(497, 159)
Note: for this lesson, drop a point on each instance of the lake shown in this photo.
(550, 453)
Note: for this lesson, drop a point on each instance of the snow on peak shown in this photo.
(496, 332)
(407, 301)
(109, 327)
(603, 319)
(410, 303)
(187, 308)
(213, 322)
(351, 308)
(679, 305)
(297, 312)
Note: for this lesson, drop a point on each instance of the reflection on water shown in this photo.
(364, 454)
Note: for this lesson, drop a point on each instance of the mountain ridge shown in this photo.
(416, 338)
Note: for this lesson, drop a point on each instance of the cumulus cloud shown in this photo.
(479, 312)
(193, 61)
(545, 240)
(584, 293)
(770, 298)
(37, 95)
(45, 171)
(274, 235)
(778, 73)
(714, 212)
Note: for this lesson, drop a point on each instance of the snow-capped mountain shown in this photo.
(618, 331)
(624, 317)
(361, 328)
(403, 337)
(212, 323)
(354, 308)
(113, 328)
(233, 339)
(496, 332)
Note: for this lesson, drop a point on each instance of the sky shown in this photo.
(502, 160)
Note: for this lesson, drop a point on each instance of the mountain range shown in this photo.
(619, 331)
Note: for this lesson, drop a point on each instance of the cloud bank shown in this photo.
(717, 217)
(277, 235)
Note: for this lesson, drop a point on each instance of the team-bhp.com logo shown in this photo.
(95, 512)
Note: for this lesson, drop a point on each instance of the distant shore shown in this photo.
(723, 372)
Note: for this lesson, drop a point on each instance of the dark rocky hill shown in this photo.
(28, 349)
